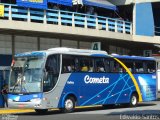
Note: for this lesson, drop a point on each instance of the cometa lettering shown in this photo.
(94, 80)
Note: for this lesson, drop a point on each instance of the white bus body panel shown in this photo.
(158, 79)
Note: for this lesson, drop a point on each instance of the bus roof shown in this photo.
(65, 50)
(132, 57)
(73, 51)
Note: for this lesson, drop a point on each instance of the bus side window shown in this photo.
(116, 67)
(52, 68)
(86, 64)
(112, 66)
(84, 68)
(51, 64)
(139, 67)
(107, 65)
(68, 64)
(151, 66)
(100, 66)
(129, 64)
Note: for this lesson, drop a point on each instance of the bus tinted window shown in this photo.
(139, 67)
(151, 66)
(107, 65)
(68, 64)
(99, 65)
(86, 64)
(52, 69)
(129, 64)
(115, 67)
(52, 64)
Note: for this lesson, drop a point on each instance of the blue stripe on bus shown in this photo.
(133, 57)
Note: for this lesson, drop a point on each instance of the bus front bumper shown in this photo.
(21, 105)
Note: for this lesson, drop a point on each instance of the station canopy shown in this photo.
(97, 3)
(62, 2)
(100, 3)
(43, 3)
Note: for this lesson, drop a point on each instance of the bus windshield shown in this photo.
(26, 75)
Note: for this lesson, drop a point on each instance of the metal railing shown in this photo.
(59, 17)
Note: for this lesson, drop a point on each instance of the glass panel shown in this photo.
(26, 75)
(68, 64)
(129, 64)
(107, 64)
(52, 68)
(139, 67)
(115, 66)
(151, 66)
(100, 67)
(86, 64)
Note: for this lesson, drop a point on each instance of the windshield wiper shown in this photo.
(19, 80)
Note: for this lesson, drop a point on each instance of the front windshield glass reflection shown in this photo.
(26, 75)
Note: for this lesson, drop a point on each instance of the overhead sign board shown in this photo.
(41, 4)
(147, 53)
(62, 2)
(77, 2)
(96, 46)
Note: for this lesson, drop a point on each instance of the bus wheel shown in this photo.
(41, 111)
(134, 100)
(69, 105)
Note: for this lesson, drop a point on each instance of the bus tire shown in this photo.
(134, 100)
(41, 111)
(69, 105)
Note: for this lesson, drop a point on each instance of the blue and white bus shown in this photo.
(65, 78)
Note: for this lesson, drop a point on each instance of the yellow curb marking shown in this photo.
(12, 111)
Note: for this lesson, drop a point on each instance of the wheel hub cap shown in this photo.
(134, 100)
(68, 104)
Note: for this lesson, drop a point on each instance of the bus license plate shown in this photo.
(21, 106)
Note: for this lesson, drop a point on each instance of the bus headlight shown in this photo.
(37, 100)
